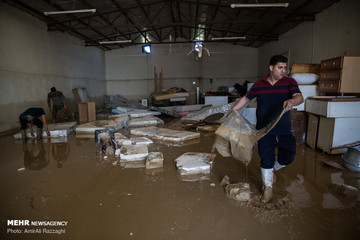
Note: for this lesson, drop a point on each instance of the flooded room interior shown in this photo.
(180, 119)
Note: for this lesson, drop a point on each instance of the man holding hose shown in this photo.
(273, 93)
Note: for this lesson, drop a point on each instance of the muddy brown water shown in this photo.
(101, 199)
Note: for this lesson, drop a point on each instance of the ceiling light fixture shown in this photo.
(116, 41)
(245, 5)
(70, 11)
(227, 38)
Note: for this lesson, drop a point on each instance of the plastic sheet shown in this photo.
(237, 136)
(207, 111)
(118, 100)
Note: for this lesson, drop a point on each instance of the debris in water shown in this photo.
(133, 152)
(194, 163)
(154, 160)
(344, 190)
(333, 164)
(239, 191)
(225, 181)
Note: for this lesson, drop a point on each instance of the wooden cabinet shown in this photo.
(333, 123)
(340, 75)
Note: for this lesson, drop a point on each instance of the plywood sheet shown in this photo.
(172, 95)
(311, 135)
(326, 133)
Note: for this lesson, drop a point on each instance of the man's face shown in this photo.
(278, 71)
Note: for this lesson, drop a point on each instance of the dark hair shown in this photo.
(276, 59)
(53, 89)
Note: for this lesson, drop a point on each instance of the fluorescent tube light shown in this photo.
(227, 38)
(245, 5)
(70, 11)
(116, 41)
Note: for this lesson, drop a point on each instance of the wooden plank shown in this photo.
(305, 68)
(350, 80)
(312, 130)
(335, 98)
(83, 112)
(91, 111)
(326, 133)
(81, 95)
(172, 95)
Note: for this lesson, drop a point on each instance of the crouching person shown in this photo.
(34, 116)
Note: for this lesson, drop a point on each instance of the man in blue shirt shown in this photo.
(273, 93)
(33, 116)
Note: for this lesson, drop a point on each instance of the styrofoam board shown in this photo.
(194, 163)
(133, 152)
(165, 134)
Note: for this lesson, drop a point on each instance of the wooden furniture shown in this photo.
(305, 68)
(86, 109)
(340, 75)
(87, 112)
(333, 123)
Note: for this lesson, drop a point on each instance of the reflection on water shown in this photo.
(36, 157)
(37, 153)
(60, 151)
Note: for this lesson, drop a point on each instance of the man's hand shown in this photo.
(47, 132)
(296, 99)
(288, 105)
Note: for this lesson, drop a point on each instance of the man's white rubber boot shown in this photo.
(267, 178)
(278, 166)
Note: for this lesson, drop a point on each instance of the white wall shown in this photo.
(338, 31)
(129, 68)
(335, 32)
(33, 60)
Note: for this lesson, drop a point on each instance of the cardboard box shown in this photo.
(87, 112)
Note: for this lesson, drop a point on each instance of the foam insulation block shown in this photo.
(133, 152)
(57, 130)
(165, 134)
(141, 140)
(194, 163)
(121, 139)
(145, 121)
(154, 160)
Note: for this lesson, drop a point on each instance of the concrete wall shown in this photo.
(335, 32)
(33, 60)
(130, 73)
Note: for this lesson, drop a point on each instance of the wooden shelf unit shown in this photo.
(340, 75)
